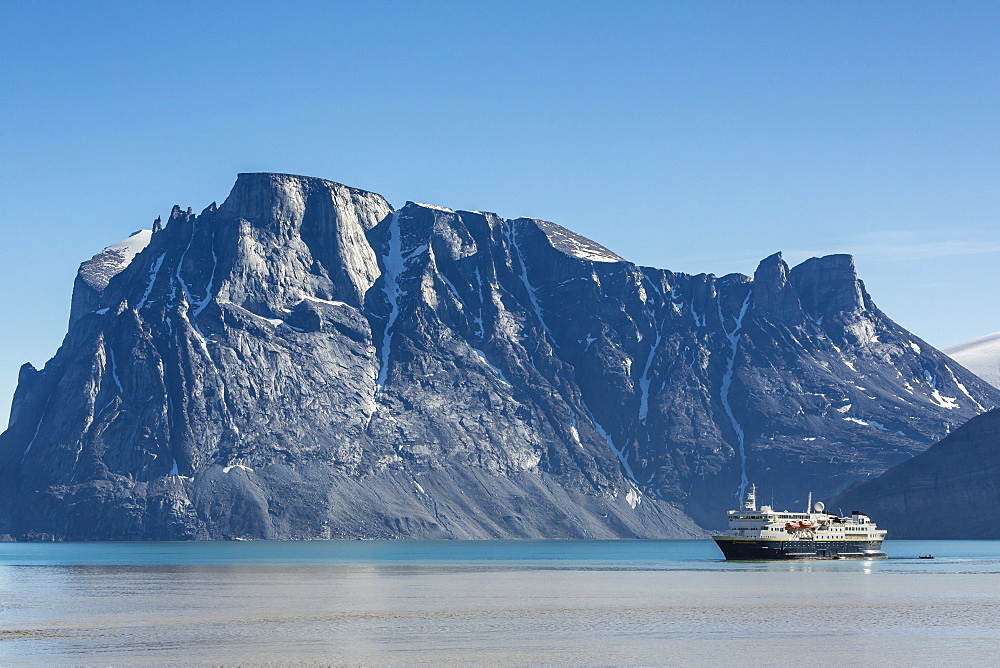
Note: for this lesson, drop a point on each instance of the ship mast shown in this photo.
(751, 502)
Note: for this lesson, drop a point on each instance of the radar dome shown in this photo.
(819, 507)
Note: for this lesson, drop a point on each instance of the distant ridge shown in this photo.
(980, 356)
(950, 491)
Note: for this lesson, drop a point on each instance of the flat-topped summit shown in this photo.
(285, 198)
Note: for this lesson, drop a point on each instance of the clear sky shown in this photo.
(697, 137)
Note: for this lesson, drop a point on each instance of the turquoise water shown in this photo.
(635, 554)
(499, 602)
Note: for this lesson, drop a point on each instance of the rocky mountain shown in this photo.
(948, 491)
(304, 361)
(980, 356)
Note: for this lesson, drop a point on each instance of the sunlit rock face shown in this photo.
(303, 361)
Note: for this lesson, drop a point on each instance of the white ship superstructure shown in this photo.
(815, 534)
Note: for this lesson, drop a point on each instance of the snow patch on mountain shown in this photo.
(573, 431)
(620, 454)
(482, 358)
(393, 263)
(873, 424)
(727, 380)
(633, 497)
(573, 244)
(98, 271)
(433, 206)
(962, 387)
(511, 233)
(944, 402)
(153, 273)
(331, 302)
(211, 280)
(645, 378)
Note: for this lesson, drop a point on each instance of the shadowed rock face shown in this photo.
(949, 491)
(303, 361)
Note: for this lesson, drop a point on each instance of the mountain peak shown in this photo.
(828, 284)
(260, 197)
(773, 293)
(571, 243)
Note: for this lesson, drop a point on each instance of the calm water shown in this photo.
(532, 602)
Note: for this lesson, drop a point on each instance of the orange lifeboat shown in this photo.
(801, 525)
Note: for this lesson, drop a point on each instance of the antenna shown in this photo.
(809, 505)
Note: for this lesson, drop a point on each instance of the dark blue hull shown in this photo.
(736, 549)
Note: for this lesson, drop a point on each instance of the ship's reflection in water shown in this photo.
(560, 602)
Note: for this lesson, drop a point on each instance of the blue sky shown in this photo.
(698, 137)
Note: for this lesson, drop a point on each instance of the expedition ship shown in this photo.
(815, 534)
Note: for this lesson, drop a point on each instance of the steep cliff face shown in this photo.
(949, 491)
(303, 361)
